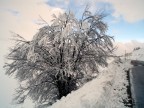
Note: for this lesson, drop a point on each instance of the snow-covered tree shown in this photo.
(53, 63)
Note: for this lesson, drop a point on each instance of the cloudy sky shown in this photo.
(125, 20)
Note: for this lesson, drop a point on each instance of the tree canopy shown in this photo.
(59, 56)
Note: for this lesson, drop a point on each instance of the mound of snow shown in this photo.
(108, 90)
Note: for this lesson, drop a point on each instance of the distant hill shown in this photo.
(138, 54)
(127, 46)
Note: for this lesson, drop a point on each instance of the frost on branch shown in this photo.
(59, 56)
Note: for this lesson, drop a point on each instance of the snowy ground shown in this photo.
(108, 90)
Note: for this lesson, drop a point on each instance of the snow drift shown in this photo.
(102, 92)
(108, 90)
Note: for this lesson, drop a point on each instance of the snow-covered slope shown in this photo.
(102, 92)
(127, 47)
(138, 54)
(108, 90)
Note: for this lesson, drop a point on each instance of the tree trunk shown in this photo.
(65, 86)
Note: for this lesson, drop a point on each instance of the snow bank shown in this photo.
(108, 90)
(118, 97)
(102, 92)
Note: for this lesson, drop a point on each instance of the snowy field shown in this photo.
(108, 90)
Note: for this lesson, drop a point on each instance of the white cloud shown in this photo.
(130, 10)
(27, 13)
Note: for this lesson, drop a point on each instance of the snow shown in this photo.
(127, 46)
(138, 54)
(108, 90)
(100, 92)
